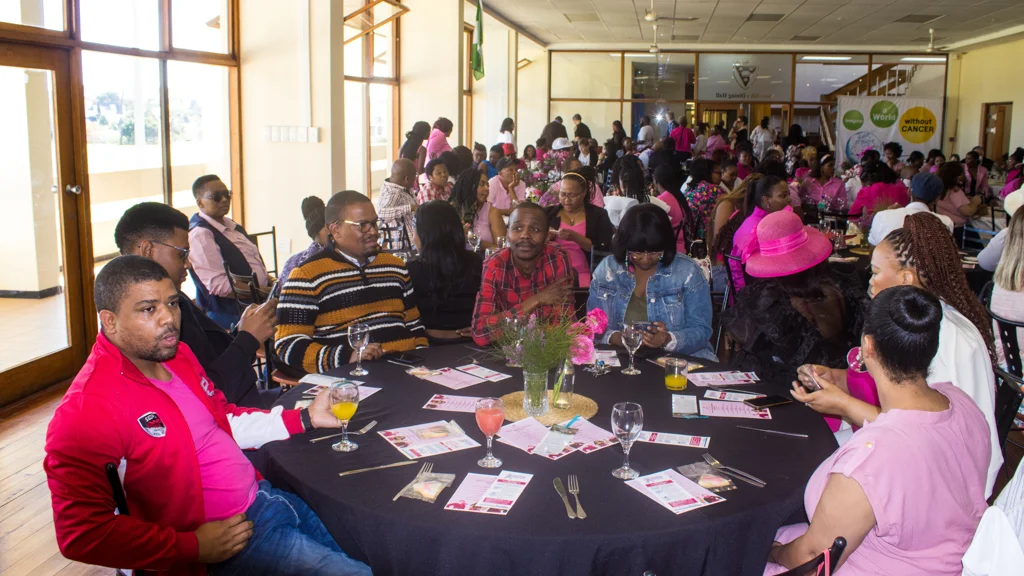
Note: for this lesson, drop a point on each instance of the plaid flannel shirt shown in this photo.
(504, 289)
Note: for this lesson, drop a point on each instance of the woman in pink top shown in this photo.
(715, 142)
(882, 189)
(745, 164)
(684, 137)
(578, 226)
(893, 152)
(770, 194)
(666, 184)
(506, 189)
(976, 175)
(438, 141)
(954, 203)
(908, 490)
(469, 196)
(821, 183)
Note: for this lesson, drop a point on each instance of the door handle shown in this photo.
(73, 189)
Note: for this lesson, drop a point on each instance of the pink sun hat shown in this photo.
(786, 247)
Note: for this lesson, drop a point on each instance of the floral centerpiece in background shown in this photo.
(542, 347)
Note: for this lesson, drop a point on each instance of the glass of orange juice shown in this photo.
(344, 402)
(676, 373)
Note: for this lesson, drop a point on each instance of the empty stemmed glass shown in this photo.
(474, 240)
(632, 337)
(344, 398)
(517, 325)
(490, 415)
(501, 241)
(627, 422)
(358, 339)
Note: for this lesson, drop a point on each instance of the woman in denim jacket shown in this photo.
(656, 286)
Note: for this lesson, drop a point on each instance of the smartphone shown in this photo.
(768, 401)
(406, 358)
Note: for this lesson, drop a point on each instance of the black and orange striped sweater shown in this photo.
(327, 293)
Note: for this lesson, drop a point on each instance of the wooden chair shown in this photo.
(255, 238)
(394, 238)
(1009, 394)
(286, 382)
(812, 566)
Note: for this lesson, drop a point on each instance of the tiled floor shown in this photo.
(33, 328)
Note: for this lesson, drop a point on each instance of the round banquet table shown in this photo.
(625, 532)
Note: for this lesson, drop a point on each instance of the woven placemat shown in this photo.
(581, 405)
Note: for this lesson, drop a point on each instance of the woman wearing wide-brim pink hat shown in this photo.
(786, 247)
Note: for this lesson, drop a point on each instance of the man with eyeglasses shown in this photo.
(217, 240)
(159, 232)
(349, 283)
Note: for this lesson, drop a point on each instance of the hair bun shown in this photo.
(912, 311)
(311, 204)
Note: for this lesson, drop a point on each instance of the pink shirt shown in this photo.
(675, 216)
(228, 479)
(744, 241)
(208, 263)
(684, 138)
(811, 192)
(879, 195)
(436, 144)
(482, 224)
(800, 173)
(924, 475)
(715, 142)
(950, 206)
(577, 258)
(982, 187)
(498, 196)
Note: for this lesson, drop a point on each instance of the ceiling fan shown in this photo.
(651, 16)
(654, 47)
(931, 40)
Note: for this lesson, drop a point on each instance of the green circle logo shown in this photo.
(853, 119)
(884, 114)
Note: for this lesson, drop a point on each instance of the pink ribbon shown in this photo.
(783, 245)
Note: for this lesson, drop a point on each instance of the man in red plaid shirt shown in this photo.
(529, 277)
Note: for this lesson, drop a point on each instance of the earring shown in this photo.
(860, 359)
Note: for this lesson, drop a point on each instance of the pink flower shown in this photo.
(582, 328)
(597, 320)
(581, 350)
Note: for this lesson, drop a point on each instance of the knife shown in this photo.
(560, 488)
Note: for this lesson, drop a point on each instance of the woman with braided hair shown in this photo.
(923, 254)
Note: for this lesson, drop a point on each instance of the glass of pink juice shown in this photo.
(490, 414)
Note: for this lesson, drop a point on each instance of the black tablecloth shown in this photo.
(625, 532)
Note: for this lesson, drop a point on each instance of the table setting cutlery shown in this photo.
(372, 468)
(737, 474)
(361, 431)
(427, 468)
(560, 488)
(574, 489)
(779, 432)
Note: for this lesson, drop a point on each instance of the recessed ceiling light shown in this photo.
(827, 58)
(923, 59)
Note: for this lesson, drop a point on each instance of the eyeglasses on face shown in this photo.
(218, 196)
(640, 255)
(363, 227)
(182, 252)
(567, 196)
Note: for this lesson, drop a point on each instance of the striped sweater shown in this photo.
(327, 293)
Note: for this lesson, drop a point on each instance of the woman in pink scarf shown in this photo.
(438, 141)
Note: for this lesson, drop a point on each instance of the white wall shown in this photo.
(278, 175)
(432, 63)
(987, 75)
(531, 104)
(491, 93)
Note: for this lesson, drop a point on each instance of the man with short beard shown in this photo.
(142, 402)
(529, 277)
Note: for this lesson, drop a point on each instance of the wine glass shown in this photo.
(501, 242)
(632, 338)
(358, 338)
(344, 398)
(490, 414)
(474, 240)
(627, 422)
(516, 325)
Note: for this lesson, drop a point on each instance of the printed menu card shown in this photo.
(730, 396)
(447, 377)
(674, 439)
(704, 379)
(489, 494)
(428, 439)
(715, 408)
(452, 403)
(674, 491)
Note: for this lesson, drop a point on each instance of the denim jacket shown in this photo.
(677, 295)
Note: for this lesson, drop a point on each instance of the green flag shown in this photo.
(478, 42)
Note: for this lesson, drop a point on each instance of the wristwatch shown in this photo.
(306, 419)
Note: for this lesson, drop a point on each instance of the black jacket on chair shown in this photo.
(599, 227)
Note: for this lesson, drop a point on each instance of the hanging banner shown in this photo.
(869, 122)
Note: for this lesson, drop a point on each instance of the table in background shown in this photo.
(625, 532)
(977, 277)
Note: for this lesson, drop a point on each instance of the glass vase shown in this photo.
(561, 397)
(535, 392)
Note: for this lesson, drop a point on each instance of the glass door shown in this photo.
(42, 310)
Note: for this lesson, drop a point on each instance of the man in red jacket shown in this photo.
(143, 402)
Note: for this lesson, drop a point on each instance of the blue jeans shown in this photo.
(288, 538)
(225, 320)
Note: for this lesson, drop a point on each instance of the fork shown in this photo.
(362, 430)
(738, 474)
(425, 469)
(574, 489)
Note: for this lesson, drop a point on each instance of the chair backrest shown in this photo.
(982, 240)
(1007, 330)
(255, 238)
(811, 567)
(393, 237)
(1009, 394)
(596, 257)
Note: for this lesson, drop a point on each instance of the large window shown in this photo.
(371, 92)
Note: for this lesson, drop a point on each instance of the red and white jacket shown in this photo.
(112, 413)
